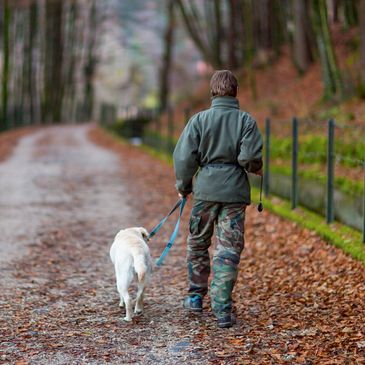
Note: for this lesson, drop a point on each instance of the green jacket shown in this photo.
(218, 146)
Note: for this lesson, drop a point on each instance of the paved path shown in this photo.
(63, 200)
(57, 176)
(298, 300)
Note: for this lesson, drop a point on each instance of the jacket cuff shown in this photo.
(184, 190)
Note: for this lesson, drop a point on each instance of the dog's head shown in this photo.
(144, 233)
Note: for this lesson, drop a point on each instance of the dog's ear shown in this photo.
(144, 233)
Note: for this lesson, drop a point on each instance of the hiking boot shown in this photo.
(193, 303)
(226, 320)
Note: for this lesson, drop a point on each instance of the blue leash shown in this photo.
(181, 203)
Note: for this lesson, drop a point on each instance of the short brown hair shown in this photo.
(223, 83)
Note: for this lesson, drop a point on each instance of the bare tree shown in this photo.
(362, 40)
(91, 62)
(302, 40)
(232, 35)
(53, 67)
(6, 54)
(208, 42)
(217, 33)
(248, 47)
(350, 13)
(33, 29)
(72, 37)
(333, 88)
(168, 41)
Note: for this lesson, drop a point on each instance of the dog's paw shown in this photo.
(127, 319)
(138, 311)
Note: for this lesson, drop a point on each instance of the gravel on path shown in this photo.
(298, 300)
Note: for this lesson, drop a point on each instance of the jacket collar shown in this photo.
(225, 102)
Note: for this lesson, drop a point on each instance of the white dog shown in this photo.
(131, 258)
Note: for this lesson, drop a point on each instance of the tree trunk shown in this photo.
(262, 24)
(249, 49)
(192, 19)
(336, 4)
(70, 61)
(301, 46)
(242, 36)
(218, 33)
(57, 72)
(53, 88)
(232, 35)
(362, 40)
(333, 88)
(4, 124)
(31, 71)
(165, 70)
(350, 13)
(25, 97)
(278, 26)
(89, 70)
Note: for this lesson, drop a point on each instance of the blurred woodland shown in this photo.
(61, 59)
(48, 60)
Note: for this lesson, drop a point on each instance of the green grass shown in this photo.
(158, 154)
(313, 148)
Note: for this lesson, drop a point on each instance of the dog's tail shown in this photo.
(140, 268)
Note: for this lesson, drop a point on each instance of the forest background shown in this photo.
(60, 60)
(82, 60)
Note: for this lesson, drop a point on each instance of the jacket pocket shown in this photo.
(194, 224)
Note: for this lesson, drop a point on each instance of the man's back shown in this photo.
(222, 141)
(221, 128)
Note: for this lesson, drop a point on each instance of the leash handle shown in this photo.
(160, 260)
(159, 225)
(260, 207)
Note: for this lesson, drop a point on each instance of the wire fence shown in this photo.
(332, 152)
(319, 165)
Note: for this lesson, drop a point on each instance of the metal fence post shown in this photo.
(294, 165)
(363, 211)
(158, 131)
(170, 132)
(330, 171)
(267, 157)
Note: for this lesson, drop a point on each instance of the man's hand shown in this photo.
(182, 196)
(259, 172)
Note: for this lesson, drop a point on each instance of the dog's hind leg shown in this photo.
(128, 306)
(120, 287)
(125, 300)
(123, 282)
(140, 294)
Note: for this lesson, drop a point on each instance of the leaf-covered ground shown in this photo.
(298, 300)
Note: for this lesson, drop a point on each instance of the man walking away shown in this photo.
(218, 146)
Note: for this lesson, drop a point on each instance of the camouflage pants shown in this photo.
(229, 220)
